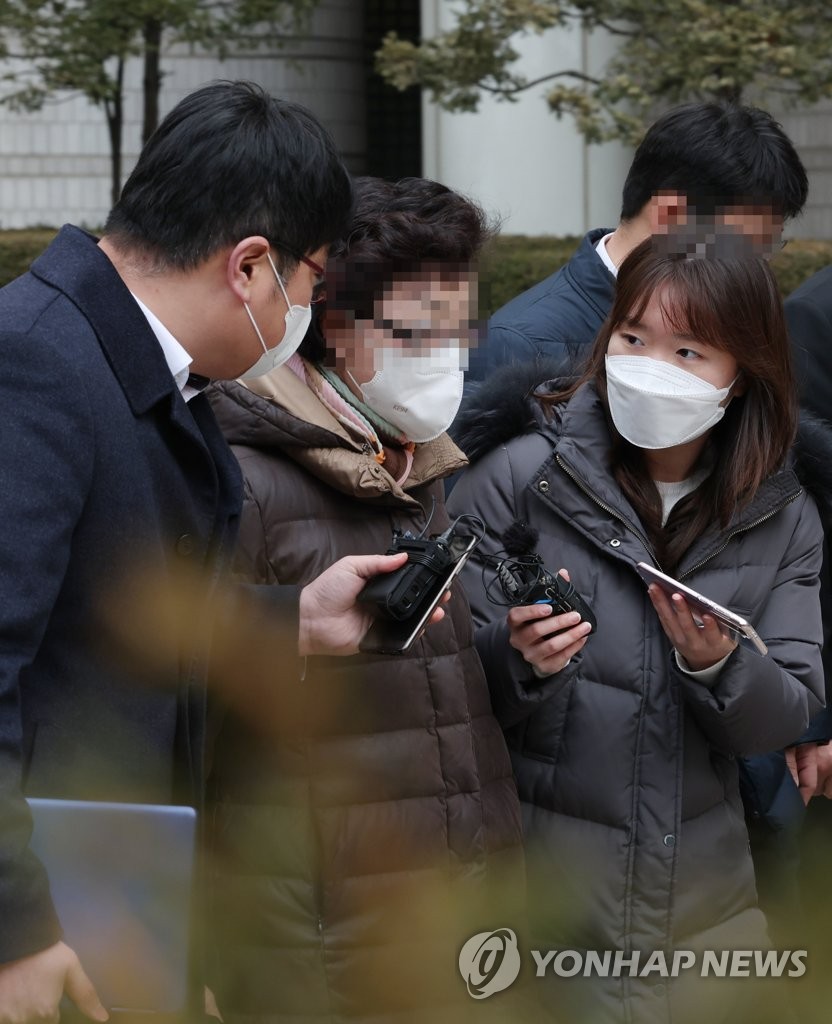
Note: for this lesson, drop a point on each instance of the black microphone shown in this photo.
(519, 539)
(524, 579)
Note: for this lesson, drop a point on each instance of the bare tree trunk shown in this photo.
(115, 118)
(152, 81)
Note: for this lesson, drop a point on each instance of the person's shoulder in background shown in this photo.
(809, 321)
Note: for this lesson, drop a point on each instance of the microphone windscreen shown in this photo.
(520, 539)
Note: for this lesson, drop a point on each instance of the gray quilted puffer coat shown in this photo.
(625, 765)
(359, 844)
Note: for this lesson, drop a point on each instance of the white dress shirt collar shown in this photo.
(601, 249)
(176, 357)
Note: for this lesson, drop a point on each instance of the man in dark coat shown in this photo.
(110, 460)
(704, 159)
(809, 318)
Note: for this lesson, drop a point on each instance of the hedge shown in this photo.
(512, 264)
(19, 248)
(516, 262)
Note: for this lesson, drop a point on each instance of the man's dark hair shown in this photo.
(398, 230)
(717, 154)
(227, 162)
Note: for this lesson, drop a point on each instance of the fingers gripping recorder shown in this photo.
(404, 600)
(523, 579)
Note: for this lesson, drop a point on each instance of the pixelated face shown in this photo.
(757, 227)
(430, 316)
(759, 223)
(655, 336)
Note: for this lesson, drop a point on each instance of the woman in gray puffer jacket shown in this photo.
(672, 449)
(366, 829)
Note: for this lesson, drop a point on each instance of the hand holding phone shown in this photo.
(696, 625)
(405, 601)
(701, 641)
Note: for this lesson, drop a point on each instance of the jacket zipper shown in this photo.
(611, 511)
(742, 529)
(607, 508)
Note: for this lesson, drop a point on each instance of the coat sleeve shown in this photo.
(47, 452)
(759, 704)
(487, 490)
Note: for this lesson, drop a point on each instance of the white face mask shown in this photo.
(656, 405)
(419, 394)
(297, 322)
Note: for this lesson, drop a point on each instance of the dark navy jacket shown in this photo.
(555, 318)
(103, 470)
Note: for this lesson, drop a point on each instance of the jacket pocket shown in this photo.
(542, 740)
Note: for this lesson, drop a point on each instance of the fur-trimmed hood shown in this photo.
(503, 407)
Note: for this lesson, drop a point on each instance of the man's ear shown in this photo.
(245, 261)
(666, 211)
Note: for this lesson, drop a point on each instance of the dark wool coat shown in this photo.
(809, 317)
(103, 470)
(626, 766)
(363, 841)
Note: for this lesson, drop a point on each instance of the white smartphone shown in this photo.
(387, 636)
(699, 603)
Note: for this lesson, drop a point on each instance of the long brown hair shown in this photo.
(735, 305)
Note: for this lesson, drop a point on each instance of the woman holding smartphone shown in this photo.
(672, 448)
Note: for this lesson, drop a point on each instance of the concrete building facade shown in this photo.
(538, 173)
(531, 170)
(55, 163)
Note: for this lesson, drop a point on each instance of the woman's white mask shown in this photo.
(656, 405)
(419, 394)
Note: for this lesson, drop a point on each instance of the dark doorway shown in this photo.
(394, 119)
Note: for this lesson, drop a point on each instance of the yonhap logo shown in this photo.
(489, 962)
